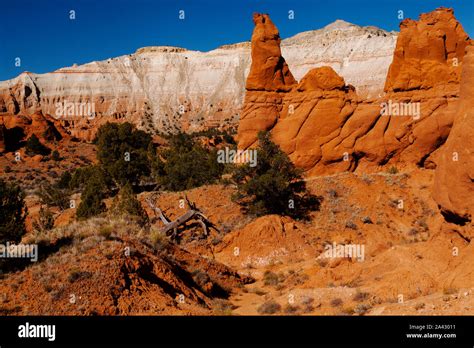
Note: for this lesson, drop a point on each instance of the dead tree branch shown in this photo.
(192, 213)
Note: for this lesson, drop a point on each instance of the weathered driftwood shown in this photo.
(192, 213)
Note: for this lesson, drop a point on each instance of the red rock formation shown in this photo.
(324, 127)
(454, 178)
(14, 129)
(269, 71)
(428, 52)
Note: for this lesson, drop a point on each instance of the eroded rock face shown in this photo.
(454, 176)
(325, 127)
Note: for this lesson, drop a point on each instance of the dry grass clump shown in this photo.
(269, 307)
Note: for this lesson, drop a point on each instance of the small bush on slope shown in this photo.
(92, 199)
(126, 204)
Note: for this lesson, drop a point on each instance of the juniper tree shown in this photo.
(274, 185)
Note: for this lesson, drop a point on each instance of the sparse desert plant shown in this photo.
(362, 308)
(421, 222)
(269, 307)
(336, 302)
(158, 239)
(350, 224)
(45, 220)
(322, 262)
(347, 310)
(270, 278)
(54, 196)
(308, 304)
(75, 275)
(367, 179)
(353, 283)
(412, 232)
(291, 309)
(106, 231)
(332, 194)
(200, 278)
(360, 296)
(222, 307)
(392, 170)
(419, 306)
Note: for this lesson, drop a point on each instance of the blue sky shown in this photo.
(42, 35)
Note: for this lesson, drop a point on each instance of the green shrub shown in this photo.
(186, 164)
(274, 185)
(12, 213)
(34, 147)
(54, 196)
(82, 176)
(126, 204)
(229, 139)
(92, 199)
(64, 180)
(122, 152)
